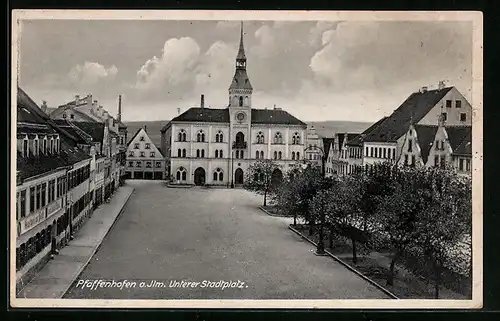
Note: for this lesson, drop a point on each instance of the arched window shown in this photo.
(246, 101)
(181, 174)
(296, 139)
(275, 155)
(262, 154)
(184, 152)
(218, 175)
(237, 154)
(241, 101)
(216, 153)
(257, 155)
(200, 137)
(260, 138)
(279, 155)
(278, 138)
(179, 153)
(242, 154)
(182, 135)
(293, 155)
(202, 153)
(219, 137)
(221, 154)
(198, 153)
(240, 138)
(298, 155)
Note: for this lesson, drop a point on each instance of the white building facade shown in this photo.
(216, 146)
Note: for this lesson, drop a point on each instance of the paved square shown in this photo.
(167, 235)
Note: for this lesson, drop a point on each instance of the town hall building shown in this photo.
(216, 146)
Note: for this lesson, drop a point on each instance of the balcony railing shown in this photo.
(239, 145)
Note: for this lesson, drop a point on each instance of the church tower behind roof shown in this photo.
(240, 91)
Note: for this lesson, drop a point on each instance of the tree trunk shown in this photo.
(330, 237)
(354, 256)
(437, 279)
(311, 227)
(265, 197)
(390, 276)
(294, 219)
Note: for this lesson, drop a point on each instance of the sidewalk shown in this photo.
(56, 277)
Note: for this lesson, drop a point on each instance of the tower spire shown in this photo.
(241, 57)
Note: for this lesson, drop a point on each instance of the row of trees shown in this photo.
(410, 211)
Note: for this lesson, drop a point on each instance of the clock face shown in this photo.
(240, 117)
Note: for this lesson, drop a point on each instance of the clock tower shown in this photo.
(240, 108)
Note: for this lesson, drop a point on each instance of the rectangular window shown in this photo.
(467, 165)
(437, 144)
(44, 194)
(131, 164)
(445, 116)
(25, 148)
(436, 160)
(136, 145)
(413, 160)
(148, 164)
(138, 164)
(23, 203)
(406, 159)
(448, 103)
(458, 103)
(38, 196)
(158, 164)
(463, 117)
(410, 146)
(143, 154)
(385, 153)
(32, 199)
(366, 151)
(152, 154)
(376, 152)
(148, 146)
(371, 151)
(461, 164)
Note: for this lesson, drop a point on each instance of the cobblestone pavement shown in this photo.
(168, 234)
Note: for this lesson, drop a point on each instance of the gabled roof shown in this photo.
(425, 138)
(457, 135)
(358, 140)
(134, 136)
(259, 116)
(341, 136)
(327, 142)
(465, 147)
(413, 109)
(274, 116)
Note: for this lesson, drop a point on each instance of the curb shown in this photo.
(179, 186)
(389, 293)
(268, 213)
(96, 248)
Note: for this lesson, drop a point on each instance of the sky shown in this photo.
(316, 70)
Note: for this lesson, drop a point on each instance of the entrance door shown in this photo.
(238, 176)
(199, 176)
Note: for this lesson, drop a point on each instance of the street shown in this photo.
(169, 235)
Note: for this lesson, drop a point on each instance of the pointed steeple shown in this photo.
(241, 51)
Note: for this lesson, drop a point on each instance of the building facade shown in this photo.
(144, 159)
(52, 172)
(314, 147)
(217, 146)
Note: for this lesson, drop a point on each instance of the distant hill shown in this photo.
(323, 128)
(330, 127)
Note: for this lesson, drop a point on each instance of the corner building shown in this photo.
(216, 146)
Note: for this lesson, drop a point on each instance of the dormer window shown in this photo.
(64, 115)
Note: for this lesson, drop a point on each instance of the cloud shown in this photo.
(316, 32)
(215, 66)
(173, 68)
(382, 54)
(90, 73)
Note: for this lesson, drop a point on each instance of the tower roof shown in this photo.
(241, 51)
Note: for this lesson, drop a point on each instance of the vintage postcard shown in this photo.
(234, 159)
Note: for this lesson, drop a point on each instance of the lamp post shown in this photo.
(320, 247)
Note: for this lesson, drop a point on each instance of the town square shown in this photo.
(218, 160)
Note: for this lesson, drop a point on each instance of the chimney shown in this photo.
(274, 106)
(77, 98)
(44, 106)
(202, 102)
(423, 89)
(178, 111)
(441, 120)
(441, 85)
(119, 108)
